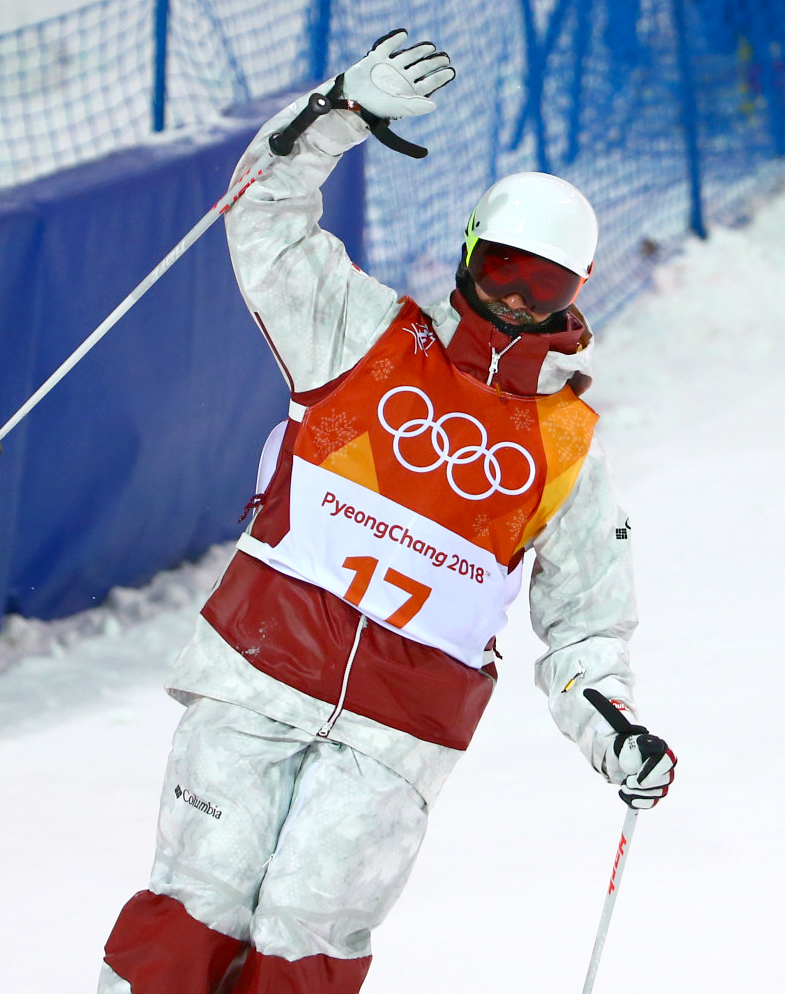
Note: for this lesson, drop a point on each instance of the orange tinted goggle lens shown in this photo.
(500, 270)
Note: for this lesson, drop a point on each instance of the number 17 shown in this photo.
(364, 568)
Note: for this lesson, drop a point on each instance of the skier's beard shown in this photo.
(511, 321)
(523, 320)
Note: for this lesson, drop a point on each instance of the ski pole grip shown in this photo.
(282, 142)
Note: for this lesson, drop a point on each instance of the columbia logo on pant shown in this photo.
(196, 802)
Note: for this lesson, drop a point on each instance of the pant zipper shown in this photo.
(327, 727)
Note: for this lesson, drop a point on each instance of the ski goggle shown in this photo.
(545, 286)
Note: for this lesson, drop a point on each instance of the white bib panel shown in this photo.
(399, 568)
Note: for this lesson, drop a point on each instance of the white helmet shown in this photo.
(538, 213)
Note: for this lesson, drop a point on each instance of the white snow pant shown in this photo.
(277, 854)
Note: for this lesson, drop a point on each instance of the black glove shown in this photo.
(641, 763)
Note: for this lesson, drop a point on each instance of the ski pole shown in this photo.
(610, 898)
(280, 144)
(650, 746)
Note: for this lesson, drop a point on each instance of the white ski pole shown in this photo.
(280, 144)
(610, 898)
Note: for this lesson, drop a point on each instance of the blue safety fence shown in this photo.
(668, 114)
(85, 83)
(146, 453)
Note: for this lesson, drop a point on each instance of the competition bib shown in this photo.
(413, 489)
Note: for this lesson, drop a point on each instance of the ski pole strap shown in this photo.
(618, 722)
(380, 126)
(282, 142)
(380, 129)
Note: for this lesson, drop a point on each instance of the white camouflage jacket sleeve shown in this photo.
(583, 607)
(319, 313)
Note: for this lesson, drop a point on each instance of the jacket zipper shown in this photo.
(327, 727)
(493, 368)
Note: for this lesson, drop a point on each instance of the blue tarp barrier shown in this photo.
(145, 454)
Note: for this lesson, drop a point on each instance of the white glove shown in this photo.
(643, 766)
(394, 84)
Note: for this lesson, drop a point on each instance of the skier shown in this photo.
(339, 668)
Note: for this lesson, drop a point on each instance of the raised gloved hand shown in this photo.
(642, 764)
(393, 84)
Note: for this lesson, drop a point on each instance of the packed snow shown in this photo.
(509, 887)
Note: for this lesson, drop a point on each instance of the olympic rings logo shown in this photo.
(461, 457)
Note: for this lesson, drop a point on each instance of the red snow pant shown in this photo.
(158, 947)
(277, 855)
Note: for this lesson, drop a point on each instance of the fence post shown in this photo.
(536, 56)
(581, 45)
(319, 37)
(768, 51)
(159, 69)
(690, 118)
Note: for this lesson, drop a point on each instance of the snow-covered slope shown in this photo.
(509, 887)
